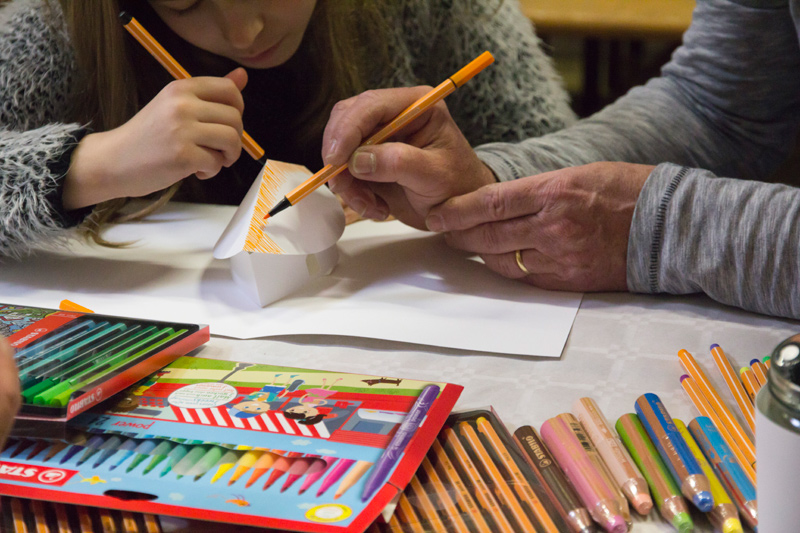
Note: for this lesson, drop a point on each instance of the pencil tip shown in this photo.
(266, 216)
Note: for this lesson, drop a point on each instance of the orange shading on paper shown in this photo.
(273, 175)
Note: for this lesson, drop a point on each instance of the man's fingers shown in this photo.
(352, 121)
(491, 203)
(529, 263)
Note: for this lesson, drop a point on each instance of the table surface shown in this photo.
(621, 346)
(611, 18)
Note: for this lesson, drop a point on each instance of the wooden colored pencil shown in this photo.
(701, 403)
(521, 486)
(425, 507)
(734, 385)
(500, 486)
(760, 371)
(464, 499)
(177, 71)
(407, 516)
(18, 515)
(749, 381)
(767, 361)
(723, 516)
(553, 480)
(446, 503)
(725, 416)
(483, 495)
(39, 516)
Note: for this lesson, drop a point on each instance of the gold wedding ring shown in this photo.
(520, 264)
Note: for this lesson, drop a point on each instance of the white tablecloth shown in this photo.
(621, 346)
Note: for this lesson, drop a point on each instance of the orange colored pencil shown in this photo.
(499, 484)
(760, 371)
(39, 516)
(434, 96)
(478, 485)
(407, 516)
(749, 381)
(767, 361)
(734, 385)
(176, 70)
(425, 506)
(445, 501)
(464, 499)
(520, 484)
(727, 419)
(701, 403)
(18, 516)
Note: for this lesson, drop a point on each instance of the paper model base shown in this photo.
(273, 258)
(268, 277)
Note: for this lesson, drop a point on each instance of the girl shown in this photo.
(88, 119)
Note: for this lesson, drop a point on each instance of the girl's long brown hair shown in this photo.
(108, 93)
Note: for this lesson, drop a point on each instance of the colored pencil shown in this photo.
(600, 499)
(730, 472)
(760, 372)
(749, 381)
(734, 429)
(409, 114)
(724, 515)
(464, 499)
(767, 361)
(18, 516)
(186, 464)
(445, 502)
(734, 385)
(483, 494)
(425, 508)
(701, 403)
(176, 70)
(551, 477)
(522, 487)
(666, 493)
(127, 449)
(616, 458)
(673, 449)
(407, 516)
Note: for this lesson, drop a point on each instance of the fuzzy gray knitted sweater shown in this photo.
(728, 102)
(518, 97)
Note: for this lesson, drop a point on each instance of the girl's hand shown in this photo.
(192, 126)
(571, 225)
(422, 165)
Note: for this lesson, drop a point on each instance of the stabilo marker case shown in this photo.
(70, 361)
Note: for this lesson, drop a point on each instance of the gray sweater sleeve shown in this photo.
(728, 102)
(36, 69)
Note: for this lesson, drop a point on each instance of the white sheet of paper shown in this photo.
(392, 283)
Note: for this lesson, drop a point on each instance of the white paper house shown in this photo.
(272, 258)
